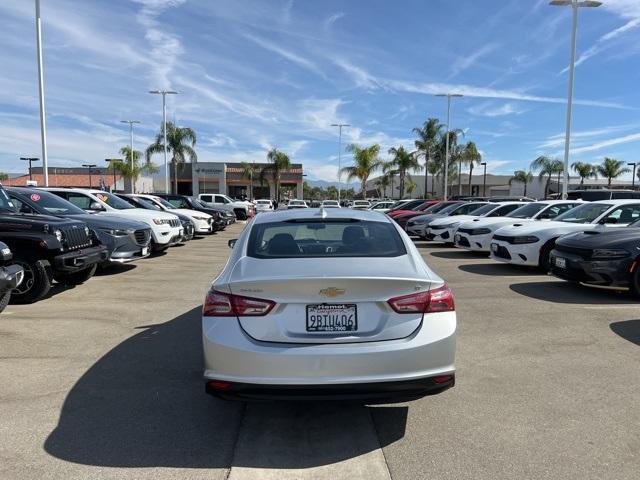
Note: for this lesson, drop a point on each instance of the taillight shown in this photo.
(220, 304)
(437, 300)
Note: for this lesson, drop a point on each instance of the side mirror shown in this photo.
(232, 242)
(96, 207)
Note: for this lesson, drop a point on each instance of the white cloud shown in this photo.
(634, 137)
(358, 75)
(488, 109)
(328, 23)
(463, 63)
(284, 53)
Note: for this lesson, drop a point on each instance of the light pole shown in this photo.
(131, 122)
(446, 160)
(574, 4)
(30, 160)
(340, 125)
(89, 166)
(484, 179)
(164, 94)
(633, 179)
(43, 126)
(112, 161)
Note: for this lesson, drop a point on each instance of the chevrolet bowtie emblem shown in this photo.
(332, 292)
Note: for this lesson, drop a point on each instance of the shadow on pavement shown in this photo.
(456, 254)
(499, 270)
(565, 292)
(115, 269)
(629, 330)
(143, 405)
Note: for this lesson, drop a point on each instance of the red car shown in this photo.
(435, 207)
(412, 206)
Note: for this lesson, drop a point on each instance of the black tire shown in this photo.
(4, 300)
(543, 263)
(76, 278)
(35, 284)
(634, 282)
(240, 214)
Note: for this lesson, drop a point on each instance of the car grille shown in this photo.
(502, 252)
(175, 222)
(582, 252)
(76, 237)
(142, 237)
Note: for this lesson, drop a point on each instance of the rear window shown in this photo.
(324, 238)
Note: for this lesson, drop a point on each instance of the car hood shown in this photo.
(455, 219)
(7, 218)
(188, 213)
(139, 213)
(479, 222)
(108, 221)
(428, 217)
(529, 228)
(602, 238)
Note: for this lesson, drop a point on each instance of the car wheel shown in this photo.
(240, 214)
(634, 282)
(35, 284)
(75, 278)
(545, 252)
(4, 300)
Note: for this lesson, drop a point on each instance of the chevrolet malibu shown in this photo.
(335, 304)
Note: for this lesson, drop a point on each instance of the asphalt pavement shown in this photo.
(103, 381)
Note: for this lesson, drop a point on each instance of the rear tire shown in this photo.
(545, 252)
(634, 282)
(240, 214)
(35, 284)
(4, 300)
(75, 278)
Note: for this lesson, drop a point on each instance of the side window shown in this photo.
(502, 211)
(560, 209)
(21, 206)
(79, 200)
(623, 215)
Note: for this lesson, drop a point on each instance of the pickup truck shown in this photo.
(242, 209)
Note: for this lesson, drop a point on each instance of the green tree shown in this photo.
(4, 177)
(584, 170)
(404, 162)
(547, 166)
(411, 186)
(611, 168)
(388, 168)
(428, 138)
(523, 177)
(250, 171)
(471, 157)
(180, 145)
(131, 170)
(365, 161)
(278, 162)
(382, 183)
(331, 192)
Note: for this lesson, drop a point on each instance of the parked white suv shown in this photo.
(166, 229)
(264, 205)
(203, 222)
(242, 209)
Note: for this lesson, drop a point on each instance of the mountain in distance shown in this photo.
(325, 184)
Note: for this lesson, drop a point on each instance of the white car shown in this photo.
(444, 229)
(475, 235)
(293, 204)
(330, 204)
(360, 205)
(264, 206)
(419, 225)
(242, 209)
(383, 206)
(203, 222)
(166, 229)
(298, 312)
(530, 243)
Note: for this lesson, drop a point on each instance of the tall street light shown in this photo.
(164, 94)
(574, 4)
(112, 162)
(131, 122)
(484, 179)
(43, 126)
(633, 179)
(446, 161)
(30, 160)
(89, 166)
(340, 125)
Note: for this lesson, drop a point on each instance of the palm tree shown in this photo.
(366, 162)
(584, 170)
(180, 143)
(522, 177)
(389, 170)
(128, 169)
(611, 168)
(381, 184)
(4, 177)
(547, 166)
(250, 170)
(428, 137)
(278, 162)
(471, 156)
(434, 170)
(411, 186)
(404, 161)
(454, 155)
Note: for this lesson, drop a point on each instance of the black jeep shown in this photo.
(47, 248)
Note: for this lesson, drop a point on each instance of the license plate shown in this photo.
(561, 262)
(457, 238)
(342, 317)
(145, 250)
(494, 247)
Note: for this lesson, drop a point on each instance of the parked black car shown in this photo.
(600, 258)
(48, 248)
(187, 225)
(10, 275)
(184, 201)
(126, 240)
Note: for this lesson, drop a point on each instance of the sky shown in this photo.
(253, 75)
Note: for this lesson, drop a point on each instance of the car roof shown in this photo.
(317, 214)
(92, 191)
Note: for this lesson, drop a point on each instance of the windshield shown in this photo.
(485, 209)
(296, 202)
(264, 202)
(148, 204)
(113, 201)
(330, 202)
(164, 203)
(528, 210)
(227, 199)
(5, 203)
(200, 203)
(586, 213)
(53, 204)
(449, 208)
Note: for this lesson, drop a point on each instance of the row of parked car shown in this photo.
(593, 243)
(66, 234)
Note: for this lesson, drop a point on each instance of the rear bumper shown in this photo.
(80, 259)
(383, 392)
(10, 277)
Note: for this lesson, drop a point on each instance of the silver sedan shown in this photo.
(334, 304)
